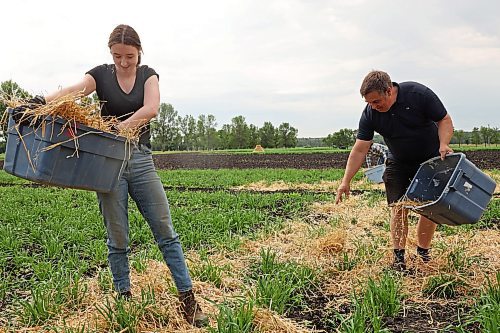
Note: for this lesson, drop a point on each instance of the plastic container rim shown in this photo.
(79, 126)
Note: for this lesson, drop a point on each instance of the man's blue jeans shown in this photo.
(140, 180)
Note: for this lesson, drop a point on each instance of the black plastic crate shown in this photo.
(84, 158)
(453, 191)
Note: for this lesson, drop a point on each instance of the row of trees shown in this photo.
(479, 135)
(173, 132)
(170, 131)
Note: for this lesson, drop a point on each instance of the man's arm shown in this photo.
(354, 162)
(445, 132)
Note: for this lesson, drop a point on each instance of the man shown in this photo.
(416, 127)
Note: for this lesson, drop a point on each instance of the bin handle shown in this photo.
(457, 179)
(413, 186)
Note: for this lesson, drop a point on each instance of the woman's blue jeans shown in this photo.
(140, 180)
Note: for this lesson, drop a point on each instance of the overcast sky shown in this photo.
(300, 62)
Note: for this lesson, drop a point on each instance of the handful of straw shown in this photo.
(74, 108)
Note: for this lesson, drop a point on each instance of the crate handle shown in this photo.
(459, 174)
(414, 184)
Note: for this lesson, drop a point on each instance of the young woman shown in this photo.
(130, 91)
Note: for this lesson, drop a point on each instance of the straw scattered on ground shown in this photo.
(318, 240)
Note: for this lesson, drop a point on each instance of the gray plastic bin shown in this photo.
(375, 174)
(85, 158)
(454, 191)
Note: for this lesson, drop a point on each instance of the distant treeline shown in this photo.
(170, 131)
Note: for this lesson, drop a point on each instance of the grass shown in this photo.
(280, 286)
(379, 298)
(471, 147)
(235, 318)
(227, 178)
(488, 307)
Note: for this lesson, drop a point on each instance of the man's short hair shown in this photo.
(375, 81)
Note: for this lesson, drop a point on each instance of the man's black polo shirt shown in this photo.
(409, 127)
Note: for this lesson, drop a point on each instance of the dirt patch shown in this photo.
(319, 314)
(431, 317)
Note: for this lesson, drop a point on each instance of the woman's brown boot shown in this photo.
(191, 310)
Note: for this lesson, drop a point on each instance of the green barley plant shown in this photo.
(276, 293)
(237, 318)
(5, 285)
(138, 261)
(373, 197)
(379, 299)
(369, 251)
(459, 261)
(345, 263)
(269, 261)
(75, 292)
(486, 312)
(316, 232)
(105, 279)
(383, 297)
(122, 314)
(355, 323)
(209, 272)
(448, 230)
(489, 218)
(66, 290)
(443, 285)
(281, 286)
(97, 251)
(334, 221)
(488, 308)
(43, 305)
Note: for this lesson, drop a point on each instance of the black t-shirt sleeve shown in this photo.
(96, 72)
(433, 107)
(365, 128)
(148, 72)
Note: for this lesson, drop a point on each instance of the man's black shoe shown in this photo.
(424, 254)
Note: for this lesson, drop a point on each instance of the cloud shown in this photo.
(278, 60)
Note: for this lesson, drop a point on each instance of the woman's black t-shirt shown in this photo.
(409, 127)
(114, 101)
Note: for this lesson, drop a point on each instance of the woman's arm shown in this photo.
(86, 86)
(150, 108)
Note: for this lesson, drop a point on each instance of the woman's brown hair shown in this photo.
(125, 34)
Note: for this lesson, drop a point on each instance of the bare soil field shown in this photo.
(482, 159)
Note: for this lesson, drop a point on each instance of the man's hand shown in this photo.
(444, 150)
(343, 189)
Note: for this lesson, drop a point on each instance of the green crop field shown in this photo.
(268, 251)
